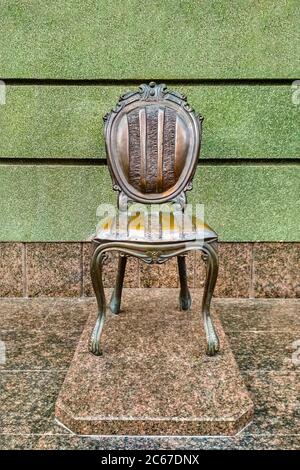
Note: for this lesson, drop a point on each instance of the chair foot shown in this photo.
(115, 303)
(213, 343)
(185, 301)
(95, 346)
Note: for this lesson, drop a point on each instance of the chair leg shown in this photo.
(185, 300)
(96, 275)
(115, 301)
(212, 265)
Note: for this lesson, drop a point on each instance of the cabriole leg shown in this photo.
(96, 275)
(212, 266)
(115, 301)
(185, 300)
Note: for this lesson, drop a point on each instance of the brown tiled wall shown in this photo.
(62, 270)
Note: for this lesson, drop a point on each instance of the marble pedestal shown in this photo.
(154, 377)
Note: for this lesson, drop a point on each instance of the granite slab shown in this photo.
(27, 400)
(154, 377)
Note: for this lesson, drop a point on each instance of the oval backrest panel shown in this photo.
(153, 142)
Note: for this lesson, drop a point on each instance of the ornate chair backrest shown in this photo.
(153, 142)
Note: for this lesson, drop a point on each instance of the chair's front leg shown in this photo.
(185, 300)
(96, 275)
(115, 301)
(212, 266)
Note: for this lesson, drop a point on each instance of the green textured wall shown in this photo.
(66, 63)
(65, 121)
(150, 38)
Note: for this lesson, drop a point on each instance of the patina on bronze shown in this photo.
(153, 142)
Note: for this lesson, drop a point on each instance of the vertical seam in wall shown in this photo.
(194, 269)
(24, 263)
(139, 274)
(251, 291)
(81, 269)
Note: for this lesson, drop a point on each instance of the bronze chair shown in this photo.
(153, 142)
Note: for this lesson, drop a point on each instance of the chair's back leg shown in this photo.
(115, 301)
(185, 300)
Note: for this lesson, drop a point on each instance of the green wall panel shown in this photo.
(51, 203)
(251, 203)
(142, 38)
(66, 121)
(254, 203)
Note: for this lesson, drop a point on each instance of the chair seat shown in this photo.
(160, 227)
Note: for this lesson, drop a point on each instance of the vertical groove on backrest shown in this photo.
(151, 170)
(134, 148)
(143, 144)
(169, 149)
(160, 140)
